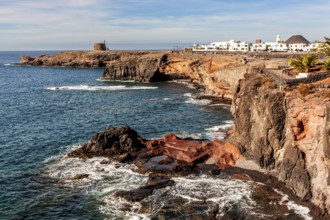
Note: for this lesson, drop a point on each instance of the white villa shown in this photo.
(294, 43)
(232, 45)
(277, 46)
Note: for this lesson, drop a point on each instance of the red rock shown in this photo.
(225, 154)
(181, 149)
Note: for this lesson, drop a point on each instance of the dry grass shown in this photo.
(269, 82)
(305, 89)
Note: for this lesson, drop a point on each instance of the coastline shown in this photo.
(202, 71)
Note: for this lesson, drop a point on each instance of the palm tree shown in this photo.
(303, 63)
(325, 47)
(326, 64)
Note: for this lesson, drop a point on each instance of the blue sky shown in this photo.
(76, 24)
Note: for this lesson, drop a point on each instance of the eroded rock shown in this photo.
(286, 133)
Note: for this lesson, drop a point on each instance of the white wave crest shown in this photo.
(193, 100)
(219, 131)
(298, 209)
(111, 80)
(98, 88)
(198, 101)
(184, 134)
(7, 64)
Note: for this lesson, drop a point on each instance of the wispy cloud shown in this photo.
(62, 24)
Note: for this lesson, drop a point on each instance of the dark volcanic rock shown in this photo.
(141, 69)
(254, 103)
(285, 133)
(121, 144)
(142, 192)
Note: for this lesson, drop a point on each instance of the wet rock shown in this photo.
(142, 192)
(79, 176)
(122, 144)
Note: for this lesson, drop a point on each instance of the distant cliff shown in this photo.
(217, 73)
(287, 133)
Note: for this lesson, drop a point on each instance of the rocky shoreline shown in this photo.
(167, 158)
(285, 132)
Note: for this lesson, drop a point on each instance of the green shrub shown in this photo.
(303, 63)
(326, 64)
(325, 47)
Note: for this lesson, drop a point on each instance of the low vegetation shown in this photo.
(269, 82)
(303, 63)
(326, 64)
(325, 47)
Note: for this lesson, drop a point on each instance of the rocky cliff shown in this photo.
(287, 133)
(217, 73)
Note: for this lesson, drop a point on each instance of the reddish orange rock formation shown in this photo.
(225, 154)
(181, 149)
(191, 151)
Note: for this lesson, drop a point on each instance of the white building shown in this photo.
(232, 45)
(299, 43)
(277, 46)
(294, 43)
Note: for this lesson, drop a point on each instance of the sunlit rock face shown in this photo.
(286, 133)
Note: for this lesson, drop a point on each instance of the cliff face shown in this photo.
(218, 73)
(286, 133)
(140, 68)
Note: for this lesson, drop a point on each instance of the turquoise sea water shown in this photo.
(45, 112)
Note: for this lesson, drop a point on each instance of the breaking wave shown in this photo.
(193, 100)
(219, 131)
(98, 88)
(102, 178)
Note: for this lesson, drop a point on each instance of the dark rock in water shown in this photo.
(142, 192)
(121, 144)
(178, 208)
(79, 176)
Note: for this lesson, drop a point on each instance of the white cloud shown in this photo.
(81, 22)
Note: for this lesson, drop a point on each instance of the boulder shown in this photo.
(122, 144)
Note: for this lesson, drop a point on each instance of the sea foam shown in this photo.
(219, 131)
(98, 88)
(193, 100)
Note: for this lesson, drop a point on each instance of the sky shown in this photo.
(77, 24)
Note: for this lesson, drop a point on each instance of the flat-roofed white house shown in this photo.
(235, 45)
(294, 43)
(277, 46)
(232, 45)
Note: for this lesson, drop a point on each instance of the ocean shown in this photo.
(47, 112)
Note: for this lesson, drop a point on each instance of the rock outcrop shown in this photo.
(218, 74)
(286, 133)
(141, 69)
(166, 154)
(170, 157)
(122, 144)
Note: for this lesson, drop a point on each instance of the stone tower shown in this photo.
(100, 46)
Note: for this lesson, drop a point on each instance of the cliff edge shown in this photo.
(286, 132)
(217, 73)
